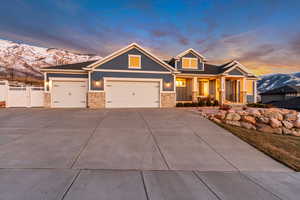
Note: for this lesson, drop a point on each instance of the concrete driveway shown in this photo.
(131, 154)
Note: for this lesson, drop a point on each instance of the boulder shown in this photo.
(254, 113)
(249, 119)
(248, 125)
(290, 117)
(264, 120)
(220, 115)
(216, 120)
(296, 132)
(233, 116)
(287, 124)
(297, 123)
(233, 123)
(275, 115)
(277, 131)
(286, 131)
(264, 128)
(275, 123)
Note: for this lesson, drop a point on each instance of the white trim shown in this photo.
(140, 61)
(105, 79)
(89, 80)
(67, 79)
(45, 81)
(125, 49)
(235, 64)
(131, 71)
(61, 70)
(190, 50)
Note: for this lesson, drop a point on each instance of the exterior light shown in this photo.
(98, 83)
(167, 85)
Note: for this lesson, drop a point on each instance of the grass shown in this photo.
(285, 149)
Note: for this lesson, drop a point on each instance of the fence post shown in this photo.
(28, 96)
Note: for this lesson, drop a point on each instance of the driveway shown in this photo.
(132, 154)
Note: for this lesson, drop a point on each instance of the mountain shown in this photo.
(272, 81)
(22, 60)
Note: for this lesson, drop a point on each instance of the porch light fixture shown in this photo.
(98, 83)
(167, 85)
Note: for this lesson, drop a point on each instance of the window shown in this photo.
(180, 82)
(249, 84)
(134, 61)
(190, 63)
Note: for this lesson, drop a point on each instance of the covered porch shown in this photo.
(225, 89)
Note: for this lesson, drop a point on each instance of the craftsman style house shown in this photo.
(134, 77)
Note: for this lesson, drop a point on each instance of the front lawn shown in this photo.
(285, 149)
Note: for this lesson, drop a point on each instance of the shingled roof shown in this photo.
(283, 90)
(74, 66)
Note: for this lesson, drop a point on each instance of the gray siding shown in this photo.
(98, 76)
(250, 98)
(236, 72)
(121, 62)
(184, 93)
(269, 98)
(190, 55)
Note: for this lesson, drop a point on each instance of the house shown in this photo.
(134, 77)
(280, 94)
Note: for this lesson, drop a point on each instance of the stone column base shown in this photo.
(96, 99)
(47, 100)
(194, 96)
(168, 100)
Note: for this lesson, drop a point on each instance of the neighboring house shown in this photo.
(134, 77)
(293, 103)
(280, 94)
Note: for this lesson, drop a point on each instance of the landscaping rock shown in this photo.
(286, 131)
(265, 128)
(297, 123)
(233, 123)
(296, 133)
(248, 126)
(277, 131)
(287, 124)
(220, 115)
(275, 123)
(264, 120)
(275, 115)
(290, 117)
(249, 119)
(217, 120)
(233, 116)
(255, 113)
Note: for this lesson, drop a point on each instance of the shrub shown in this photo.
(179, 105)
(208, 102)
(215, 102)
(259, 105)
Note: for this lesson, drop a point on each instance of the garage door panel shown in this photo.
(69, 94)
(122, 94)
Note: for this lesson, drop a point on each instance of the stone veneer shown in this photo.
(168, 100)
(47, 100)
(96, 99)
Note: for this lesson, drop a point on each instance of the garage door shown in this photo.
(126, 94)
(67, 94)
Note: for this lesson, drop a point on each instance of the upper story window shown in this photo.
(134, 61)
(190, 63)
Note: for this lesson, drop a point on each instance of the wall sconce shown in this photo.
(98, 84)
(168, 85)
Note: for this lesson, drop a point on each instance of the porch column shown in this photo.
(194, 89)
(222, 90)
(243, 91)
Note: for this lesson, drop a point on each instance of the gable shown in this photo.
(236, 71)
(120, 62)
(190, 55)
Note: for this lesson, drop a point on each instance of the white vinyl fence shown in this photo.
(21, 96)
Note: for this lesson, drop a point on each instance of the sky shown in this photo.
(263, 35)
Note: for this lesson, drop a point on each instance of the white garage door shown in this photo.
(127, 94)
(67, 94)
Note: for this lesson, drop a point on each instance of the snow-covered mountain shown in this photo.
(272, 81)
(21, 60)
